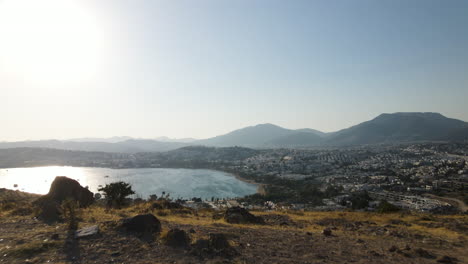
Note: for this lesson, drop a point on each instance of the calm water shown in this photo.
(185, 183)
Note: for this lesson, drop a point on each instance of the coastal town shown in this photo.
(427, 177)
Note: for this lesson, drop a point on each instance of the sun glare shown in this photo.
(49, 41)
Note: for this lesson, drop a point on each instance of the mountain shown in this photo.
(296, 140)
(106, 140)
(313, 131)
(399, 127)
(385, 128)
(168, 139)
(127, 146)
(259, 136)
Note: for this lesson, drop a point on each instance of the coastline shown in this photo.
(260, 186)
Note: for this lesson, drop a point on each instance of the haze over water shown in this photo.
(184, 183)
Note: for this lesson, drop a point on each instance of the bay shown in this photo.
(180, 183)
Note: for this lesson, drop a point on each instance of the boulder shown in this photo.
(177, 238)
(143, 224)
(327, 232)
(239, 215)
(63, 188)
(87, 232)
(216, 245)
(219, 241)
(49, 211)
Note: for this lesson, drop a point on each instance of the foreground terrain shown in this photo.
(287, 236)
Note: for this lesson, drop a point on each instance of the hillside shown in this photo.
(399, 127)
(296, 140)
(263, 135)
(385, 128)
(286, 237)
(126, 146)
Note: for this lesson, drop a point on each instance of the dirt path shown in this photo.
(458, 203)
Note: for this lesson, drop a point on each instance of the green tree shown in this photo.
(116, 193)
(386, 207)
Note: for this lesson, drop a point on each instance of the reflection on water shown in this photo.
(184, 183)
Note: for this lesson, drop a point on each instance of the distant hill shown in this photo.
(259, 136)
(400, 127)
(181, 140)
(296, 140)
(106, 140)
(127, 146)
(385, 128)
(313, 131)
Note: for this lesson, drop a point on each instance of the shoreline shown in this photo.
(260, 186)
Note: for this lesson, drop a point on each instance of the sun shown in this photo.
(49, 41)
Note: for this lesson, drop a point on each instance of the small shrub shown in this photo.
(70, 208)
(116, 193)
(386, 207)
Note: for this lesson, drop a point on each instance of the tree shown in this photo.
(116, 193)
(386, 207)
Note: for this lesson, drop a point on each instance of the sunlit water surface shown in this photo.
(184, 183)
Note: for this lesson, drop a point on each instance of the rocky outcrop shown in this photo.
(216, 245)
(145, 226)
(63, 188)
(177, 238)
(50, 211)
(239, 215)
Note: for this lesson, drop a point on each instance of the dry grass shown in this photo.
(31, 249)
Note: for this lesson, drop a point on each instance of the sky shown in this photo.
(184, 68)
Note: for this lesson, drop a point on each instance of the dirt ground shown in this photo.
(288, 237)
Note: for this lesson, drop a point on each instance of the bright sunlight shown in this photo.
(49, 41)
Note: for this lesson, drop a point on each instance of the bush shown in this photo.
(116, 193)
(386, 207)
(70, 208)
(360, 200)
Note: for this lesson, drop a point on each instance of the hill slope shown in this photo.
(399, 127)
(263, 135)
(127, 146)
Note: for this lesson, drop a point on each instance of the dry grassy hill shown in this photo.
(287, 237)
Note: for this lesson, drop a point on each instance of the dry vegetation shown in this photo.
(288, 237)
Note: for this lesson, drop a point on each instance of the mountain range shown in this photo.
(385, 128)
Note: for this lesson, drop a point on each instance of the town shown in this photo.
(427, 177)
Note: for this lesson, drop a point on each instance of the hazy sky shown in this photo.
(202, 68)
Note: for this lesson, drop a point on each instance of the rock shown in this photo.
(447, 259)
(55, 237)
(219, 241)
(327, 232)
(238, 215)
(360, 241)
(165, 204)
(177, 238)
(309, 233)
(49, 211)
(392, 249)
(192, 231)
(87, 232)
(143, 224)
(63, 188)
(216, 245)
